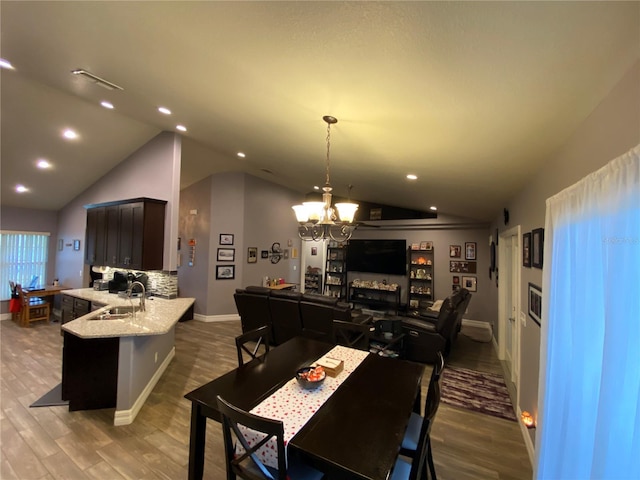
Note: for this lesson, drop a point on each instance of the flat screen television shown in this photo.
(377, 256)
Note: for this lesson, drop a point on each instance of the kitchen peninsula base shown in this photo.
(116, 363)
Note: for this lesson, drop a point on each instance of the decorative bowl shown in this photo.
(311, 377)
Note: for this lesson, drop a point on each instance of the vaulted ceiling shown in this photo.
(472, 97)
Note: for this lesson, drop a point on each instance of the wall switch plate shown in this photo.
(523, 319)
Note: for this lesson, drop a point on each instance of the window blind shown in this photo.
(22, 255)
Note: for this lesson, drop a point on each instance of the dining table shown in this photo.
(357, 430)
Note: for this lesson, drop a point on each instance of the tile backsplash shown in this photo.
(161, 283)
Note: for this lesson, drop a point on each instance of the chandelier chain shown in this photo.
(328, 149)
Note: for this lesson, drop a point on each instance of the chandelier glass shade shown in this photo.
(322, 220)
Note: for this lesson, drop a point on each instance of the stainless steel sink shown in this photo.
(117, 313)
(124, 309)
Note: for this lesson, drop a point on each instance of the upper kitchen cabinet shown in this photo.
(126, 234)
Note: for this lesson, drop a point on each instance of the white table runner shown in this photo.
(294, 405)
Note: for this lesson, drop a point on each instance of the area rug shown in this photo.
(478, 391)
(52, 398)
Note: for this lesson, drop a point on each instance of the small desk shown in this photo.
(47, 291)
(356, 434)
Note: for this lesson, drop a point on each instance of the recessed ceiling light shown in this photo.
(182, 128)
(70, 134)
(316, 187)
(44, 164)
(5, 64)
(241, 154)
(164, 110)
(411, 176)
(106, 104)
(21, 189)
(433, 207)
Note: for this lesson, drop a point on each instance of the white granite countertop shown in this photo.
(160, 316)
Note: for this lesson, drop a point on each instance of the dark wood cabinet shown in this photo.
(73, 308)
(90, 372)
(127, 234)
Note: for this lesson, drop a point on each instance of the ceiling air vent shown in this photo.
(96, 79)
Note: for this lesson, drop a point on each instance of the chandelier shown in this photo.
(321, 220)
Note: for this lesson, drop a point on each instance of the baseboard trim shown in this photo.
(215, 318)
(525, 434)
(126, 417)
(476, 323)
(531, 450)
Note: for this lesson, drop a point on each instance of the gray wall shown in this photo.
(611, 129)
(148, 172)
(442, 231)
(195, 223)
(258, 213)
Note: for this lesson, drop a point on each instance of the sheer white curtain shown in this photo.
(589, 397)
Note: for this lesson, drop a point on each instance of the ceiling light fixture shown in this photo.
(182, 128)
(164, 110)
(433, 207)
(21, 189)
(411, 176)
(69, 134)
(106, 104)
(321, 220)
(43, 164)
(101, 82)
(5, 64)
(241, 154)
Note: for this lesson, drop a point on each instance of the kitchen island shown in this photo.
(115, 361)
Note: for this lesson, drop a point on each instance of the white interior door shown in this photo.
(509, 301)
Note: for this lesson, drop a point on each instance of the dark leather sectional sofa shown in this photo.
(291, 314)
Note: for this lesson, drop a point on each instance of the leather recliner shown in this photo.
(425, 334)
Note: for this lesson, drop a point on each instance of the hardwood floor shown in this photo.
(53, 443)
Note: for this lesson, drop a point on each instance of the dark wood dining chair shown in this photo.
(419, 425)
(247, 465)
(352, 334)
(258, 337)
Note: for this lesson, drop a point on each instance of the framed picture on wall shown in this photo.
(225, 272)
(526, 249)
(252, 254)
(226, 239)
(535, 303)
(455, 251)
(470, 251)
(470, 283)
(226, 254)
(537, 246)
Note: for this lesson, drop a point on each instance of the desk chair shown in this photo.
(259, 336)
(34, 309)
(248, 465)
(419, 426)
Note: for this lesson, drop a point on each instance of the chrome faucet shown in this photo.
(130, 292)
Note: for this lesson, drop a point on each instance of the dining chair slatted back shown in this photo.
(417, 441)
(34, 309)
(248, 465)
(259, 337)
(352, 334)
